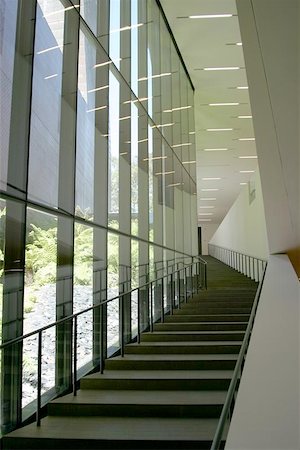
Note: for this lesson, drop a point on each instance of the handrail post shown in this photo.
(122, 325)
(162, 319)
(151, 306)
(39, 380)
(75, 357)
(185, 285)
(178, 287)
(138, 317)
(172, 297)
(101, 338)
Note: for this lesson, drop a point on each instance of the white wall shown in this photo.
(270, 35)
(266, 414)
(207, 232)
(244, 227)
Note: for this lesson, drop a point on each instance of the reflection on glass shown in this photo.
(113, 167)
(134, 171)
(134, 284)
(112, 290)
(46, 108)
(85, 143)
(114, 32)
(2, 250)
(7, 48)
(39, 297)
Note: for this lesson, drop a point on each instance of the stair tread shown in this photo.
(183, 343)
(195, 333)
(161, 374)
(119, 429)
(175, 357)
(141, 397)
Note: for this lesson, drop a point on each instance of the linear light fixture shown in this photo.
(154, 158)
(174, 184)
(99, 108)
(60, 11)
(244, 117)
(204, 220)
(243, 184)
(165, 173)
(224, 104)
(182, 145)
(208, 198)
(215, 149)
(221, 68)
(51, 76)
(247, 171)
(177, 109)
(211, 178)
(49, 49)
(248, 157)
(206, 207)
(106, 63)
(192, 132)
(98, 89)
(209, 190)
(123, 153)
(219, 129)
(242, 87)
(246, 139)
(189, 162)
(205, 214)
(239, 44)
(127, 28)
(125, 118)
(163, 125)
(210, 16)
(166, 74)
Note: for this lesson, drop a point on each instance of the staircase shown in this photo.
(167, 392)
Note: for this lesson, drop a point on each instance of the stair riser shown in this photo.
(191, 337)
(211, 310)
(207, 318)
(96, 444)
(201, 411)
(199, 327)
(157, 384)
(170, 365)
(148, 350)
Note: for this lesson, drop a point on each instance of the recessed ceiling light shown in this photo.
(247, 171)
(223, 104)
(219, 129)
(208, 198)
(247, 139)
(244, 117)
(215, 149)
(211, 178)
(248, 157)
(221, 68)
(210, 16)
(209, 190)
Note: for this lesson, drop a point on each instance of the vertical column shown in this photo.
(14, 264)
(66, 200)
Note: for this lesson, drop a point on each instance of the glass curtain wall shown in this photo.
(97, 181)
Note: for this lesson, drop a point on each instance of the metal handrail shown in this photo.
(175, 276)
(249, 265)
(229, 401)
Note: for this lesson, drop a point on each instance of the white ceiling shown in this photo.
(209, 43)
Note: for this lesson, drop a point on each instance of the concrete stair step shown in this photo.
(140, 403)
(198, 326)
(177, 336)
(183, 317)
(184, 362)
(184, 347)
(158, 380)
(119, 433)
(211, 310)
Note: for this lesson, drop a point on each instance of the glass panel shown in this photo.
(2, 254)
(8, 16)
(114, 32)
(134, 171)
(112, 291)
(134, 284)
(83, 290)
(46, 108)
(39, 300)
(113, 167)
